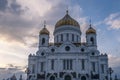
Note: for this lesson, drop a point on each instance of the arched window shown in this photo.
(83, 78)
(77, 38)
(102, 68)
(67, 35)
(61, 37)
(52, 64)
(93, 66)
(57, 38)
(72, 37)
(52, 78)
(42, 66)
(67, 77)
(33, 68)
(43, 41)
(83, 64)
(92, 40)
(67, 64)
(93, 53)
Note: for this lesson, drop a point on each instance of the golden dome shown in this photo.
(67, 20)
(91, 30)
(44, 31)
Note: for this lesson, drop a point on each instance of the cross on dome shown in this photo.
(44, 23)
(44, 30)
(67, 10)
(67, 20)
(90, 29)
(90, 22)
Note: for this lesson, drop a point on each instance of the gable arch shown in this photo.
(52, 77)
(67, 75)
(66, 45)
(83, 77)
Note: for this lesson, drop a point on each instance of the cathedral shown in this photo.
(67, 58)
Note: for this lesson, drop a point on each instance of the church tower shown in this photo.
(91, 36)
(44, 37)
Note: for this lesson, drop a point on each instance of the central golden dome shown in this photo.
(67, 20)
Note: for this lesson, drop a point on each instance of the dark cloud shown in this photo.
(3, 5)
(11, 6)
(15, 8)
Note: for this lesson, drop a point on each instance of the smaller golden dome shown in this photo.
(44, 31)
(91, 30)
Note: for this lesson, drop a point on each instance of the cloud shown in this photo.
(15, 25)
(22, 20)
(3, 5)
(15, 8)
(118, 39)
(36, 7)
(113, 21)
(10, 6)
(114, 60)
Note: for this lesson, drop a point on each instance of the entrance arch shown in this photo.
(67, 77)
(52, 78)
(83, 78)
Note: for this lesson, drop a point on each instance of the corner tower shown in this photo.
(44, 37)
(67, 29)
(91, 36)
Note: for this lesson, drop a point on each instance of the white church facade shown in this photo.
(67, 58)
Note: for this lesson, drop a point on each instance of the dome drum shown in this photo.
(67, 28)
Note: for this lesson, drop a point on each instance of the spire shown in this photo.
(90, 29)
(90, 23)
(44, 24)
(44, 30)
(67, 10)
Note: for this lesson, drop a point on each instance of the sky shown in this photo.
(21, 21)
